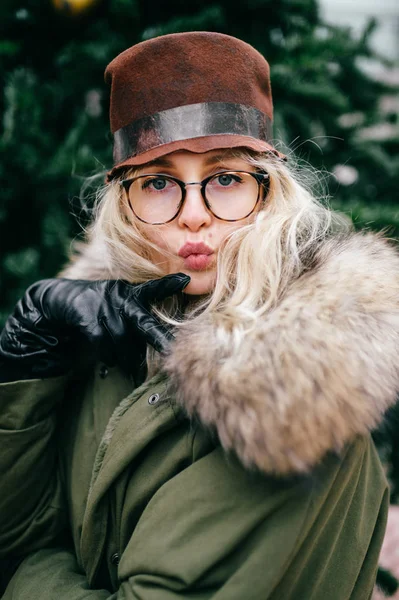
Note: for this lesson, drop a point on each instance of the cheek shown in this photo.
(168, 239)
(153, 234)
(163, 239)
(229, 228)
(162, 236)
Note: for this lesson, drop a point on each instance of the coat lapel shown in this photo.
(138, 420)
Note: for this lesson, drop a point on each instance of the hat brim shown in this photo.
(197, 145)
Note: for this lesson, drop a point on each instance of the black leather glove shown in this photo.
(58, 320)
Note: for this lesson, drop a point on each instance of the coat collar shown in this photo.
(318, 370)
(127, 434)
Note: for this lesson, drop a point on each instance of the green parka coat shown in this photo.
(243, 470)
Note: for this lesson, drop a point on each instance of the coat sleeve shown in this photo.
(31, 509)
(238, 536)
(52, 573)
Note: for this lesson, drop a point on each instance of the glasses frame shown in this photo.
(262, 180)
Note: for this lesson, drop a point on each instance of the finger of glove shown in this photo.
(159, 289)
(151, 330)
(118, 343)
(110, 336)
(105, 341)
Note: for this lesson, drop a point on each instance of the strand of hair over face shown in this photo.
(256, 263)
(259, 261)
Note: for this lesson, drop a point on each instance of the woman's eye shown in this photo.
(158, 184)
(226, 179)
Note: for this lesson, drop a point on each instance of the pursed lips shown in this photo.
(194, 248)
(196, 255)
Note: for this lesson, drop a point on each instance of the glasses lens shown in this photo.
(232, 195)
(155, 198)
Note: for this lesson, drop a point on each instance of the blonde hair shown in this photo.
(256, 263)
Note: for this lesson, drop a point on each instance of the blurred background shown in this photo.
(335, 77)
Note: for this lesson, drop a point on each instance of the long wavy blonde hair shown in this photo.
(256, 263)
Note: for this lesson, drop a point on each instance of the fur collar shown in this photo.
(318, 370)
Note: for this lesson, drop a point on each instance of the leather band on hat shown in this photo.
(190, 121)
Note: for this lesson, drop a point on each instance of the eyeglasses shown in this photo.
(157, 199)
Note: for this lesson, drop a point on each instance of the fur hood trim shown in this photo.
(88, 261)
(318, 370)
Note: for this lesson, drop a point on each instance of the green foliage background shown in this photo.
(54, 106)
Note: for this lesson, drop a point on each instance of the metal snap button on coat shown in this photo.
(153, 399)
(115, 559)
(103, 371)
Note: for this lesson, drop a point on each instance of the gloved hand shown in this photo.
(110, 319)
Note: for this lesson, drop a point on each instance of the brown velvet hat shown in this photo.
(195, 91)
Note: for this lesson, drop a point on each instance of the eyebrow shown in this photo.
(219, 158)
(159, 162)
(211, 160)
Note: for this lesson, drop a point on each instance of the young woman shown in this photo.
(186, 411)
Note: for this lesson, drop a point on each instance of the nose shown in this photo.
(194, 213)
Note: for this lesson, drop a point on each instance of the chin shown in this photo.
(200, 284)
